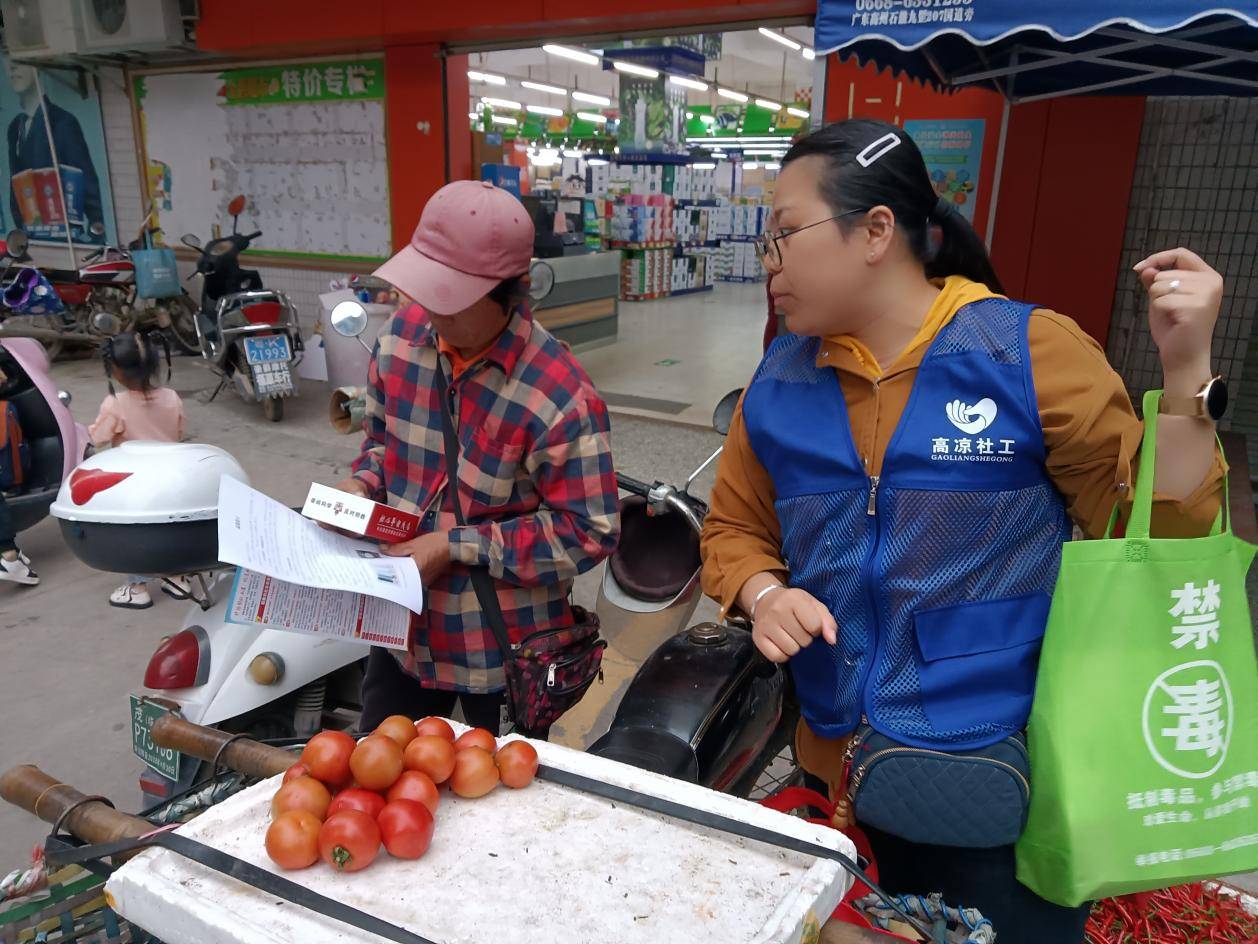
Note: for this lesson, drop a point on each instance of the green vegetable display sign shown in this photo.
(344, 80)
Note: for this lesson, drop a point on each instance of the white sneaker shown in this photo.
(18, 570)
(131, 597)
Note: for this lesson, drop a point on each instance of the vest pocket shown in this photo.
(976, 662)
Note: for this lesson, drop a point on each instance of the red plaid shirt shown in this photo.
(535, 482)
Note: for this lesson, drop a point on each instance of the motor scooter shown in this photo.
(56, 442)
(152, 508)
(249, 334)
(705, 706)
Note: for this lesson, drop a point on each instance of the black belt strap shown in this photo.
(242, 871)
(482, 583)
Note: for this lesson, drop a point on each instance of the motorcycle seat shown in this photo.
(657, 555)
(649, 749)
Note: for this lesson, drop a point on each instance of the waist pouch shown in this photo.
(976, 799)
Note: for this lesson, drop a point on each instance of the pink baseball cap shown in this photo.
(471, 236)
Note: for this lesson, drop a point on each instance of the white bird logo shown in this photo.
(972, 419)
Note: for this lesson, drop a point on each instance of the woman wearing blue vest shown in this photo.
(896, 489)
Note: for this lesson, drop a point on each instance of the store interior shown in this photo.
(648, 166)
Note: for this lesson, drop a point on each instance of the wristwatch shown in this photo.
(1209, 403)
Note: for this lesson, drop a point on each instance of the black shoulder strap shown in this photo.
(482, 583)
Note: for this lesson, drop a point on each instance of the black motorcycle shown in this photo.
(705, 706)
(248, 333)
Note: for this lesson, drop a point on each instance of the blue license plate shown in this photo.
(268, 350)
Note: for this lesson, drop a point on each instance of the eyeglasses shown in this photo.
(770, 253)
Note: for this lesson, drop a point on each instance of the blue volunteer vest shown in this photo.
(940, 571)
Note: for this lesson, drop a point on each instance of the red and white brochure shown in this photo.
(359, 515)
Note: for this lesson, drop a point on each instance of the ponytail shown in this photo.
(135, 357)
(960, 251)
(872, 163)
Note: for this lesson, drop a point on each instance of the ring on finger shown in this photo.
(1174, 286)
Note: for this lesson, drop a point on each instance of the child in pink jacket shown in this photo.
(144, 410)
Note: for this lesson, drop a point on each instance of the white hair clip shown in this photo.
(876, 150)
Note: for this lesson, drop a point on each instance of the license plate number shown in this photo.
(268, 350)
(162, 759)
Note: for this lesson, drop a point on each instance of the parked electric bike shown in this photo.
(249, 334)
(705, 706)
(56, 442)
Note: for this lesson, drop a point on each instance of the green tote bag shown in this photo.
(1144, 729)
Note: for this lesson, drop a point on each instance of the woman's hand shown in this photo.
(1184, 299)
(430, 552)
(788, 620)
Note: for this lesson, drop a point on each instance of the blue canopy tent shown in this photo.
(1033, 49)
(1028, 50)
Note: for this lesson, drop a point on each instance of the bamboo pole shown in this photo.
(244, 756)
(28, 787)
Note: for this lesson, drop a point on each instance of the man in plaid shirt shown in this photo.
(535, 478)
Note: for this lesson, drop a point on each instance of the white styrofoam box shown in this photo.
(593, 870)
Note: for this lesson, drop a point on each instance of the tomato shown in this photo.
(517, 764)
(356, 798)
(304, 793)
(431, 754)
(476, 737)
(398, 727)
(474, 772)
(292, 841)
(327, 756)
(349, 841)
(438, 727)
(376, 762)
(295, 771)
(406, 828)
(418, 786)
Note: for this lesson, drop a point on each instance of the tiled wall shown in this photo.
(1196, 185)
(303, 286)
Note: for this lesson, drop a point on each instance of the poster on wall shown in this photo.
(70, 110)
(303, 142)
(953, 149)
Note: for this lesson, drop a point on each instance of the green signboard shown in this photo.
(343, 80)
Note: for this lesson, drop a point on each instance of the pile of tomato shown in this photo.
(343, 799)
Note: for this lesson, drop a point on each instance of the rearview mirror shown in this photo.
(191, 241)
(18, 242)
(349, 319)
(723, 415)
(541, 280)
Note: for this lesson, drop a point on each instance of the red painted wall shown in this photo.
(853, 91)
(297, 27)
(417, 155)
(1062, 216)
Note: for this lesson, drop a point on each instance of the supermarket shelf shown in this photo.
(739, 278)
(693, 291)
(615, 244)
(709, 243)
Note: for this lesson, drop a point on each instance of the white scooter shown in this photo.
(152, 508)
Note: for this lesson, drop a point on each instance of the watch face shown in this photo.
(1216, 400)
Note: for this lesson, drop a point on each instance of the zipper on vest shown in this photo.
(871, 509)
